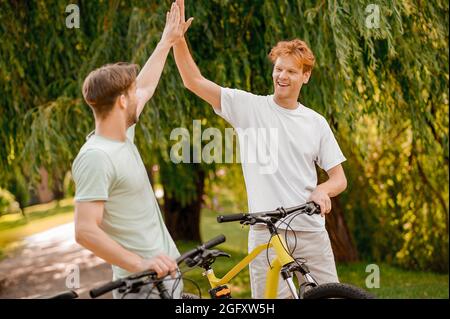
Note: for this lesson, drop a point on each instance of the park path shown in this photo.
(43, 262)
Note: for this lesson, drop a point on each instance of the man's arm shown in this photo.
(88, 218)
(192, 78)
(335, 185)
(148, 78)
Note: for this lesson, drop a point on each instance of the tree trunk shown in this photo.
(44, 192)
(183, 221)
(58, 187)
(344, 248)
(342, 243)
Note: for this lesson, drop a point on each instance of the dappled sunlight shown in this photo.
(64, 234)
(41, 266)
(10, 239)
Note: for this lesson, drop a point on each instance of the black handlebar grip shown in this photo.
(214, 242)
(230, 218)
(94, 293)
(186, 255)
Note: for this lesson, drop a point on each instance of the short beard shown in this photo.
(132, 118)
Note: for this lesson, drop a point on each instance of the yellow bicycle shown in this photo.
(283, 263)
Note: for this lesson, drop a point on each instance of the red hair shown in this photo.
(296, 48)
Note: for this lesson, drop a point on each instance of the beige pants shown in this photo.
(313, 247)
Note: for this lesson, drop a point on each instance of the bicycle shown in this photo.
(135, 281)
(283, 263)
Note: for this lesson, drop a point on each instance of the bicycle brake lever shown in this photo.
(222, 254)
(249, 221)
(214, 253)
(191, 262)
(313, 209)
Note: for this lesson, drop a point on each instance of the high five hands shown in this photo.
(176, 26)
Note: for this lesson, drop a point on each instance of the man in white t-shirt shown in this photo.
(296, 138)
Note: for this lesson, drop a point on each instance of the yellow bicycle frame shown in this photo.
(282, 258)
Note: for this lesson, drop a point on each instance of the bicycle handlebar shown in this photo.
(309, 208)
(96, 292)
(214, 242)
(230, 218)
(209, 244)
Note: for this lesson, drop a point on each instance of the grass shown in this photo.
(38, 218)
(394, 282)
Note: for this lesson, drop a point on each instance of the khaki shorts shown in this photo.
(313, 247)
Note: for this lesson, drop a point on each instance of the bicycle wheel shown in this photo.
(337, 291)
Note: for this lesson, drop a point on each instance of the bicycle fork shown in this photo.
(287, 274)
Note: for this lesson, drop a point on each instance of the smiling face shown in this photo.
(293, 62)
(288, 78)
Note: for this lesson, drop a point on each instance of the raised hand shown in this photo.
(175, 24)
(173, 30)
(185, 24)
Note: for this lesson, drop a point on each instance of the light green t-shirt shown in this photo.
(113, 171)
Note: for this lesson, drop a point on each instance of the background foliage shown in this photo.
(383, 90)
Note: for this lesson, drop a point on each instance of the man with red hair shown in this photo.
(302, 139)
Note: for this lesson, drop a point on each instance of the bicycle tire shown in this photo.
(187, 295)
(337, 291)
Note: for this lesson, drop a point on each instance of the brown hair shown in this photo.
(103, 85)
(297, 48)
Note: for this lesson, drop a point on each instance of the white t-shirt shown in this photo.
(278, 151)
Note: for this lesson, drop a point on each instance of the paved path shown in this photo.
(41, 266)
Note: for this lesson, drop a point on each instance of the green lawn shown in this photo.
(394, 282)
(38, 218)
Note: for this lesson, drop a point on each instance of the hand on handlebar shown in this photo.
(322, 199)
(161, 264)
